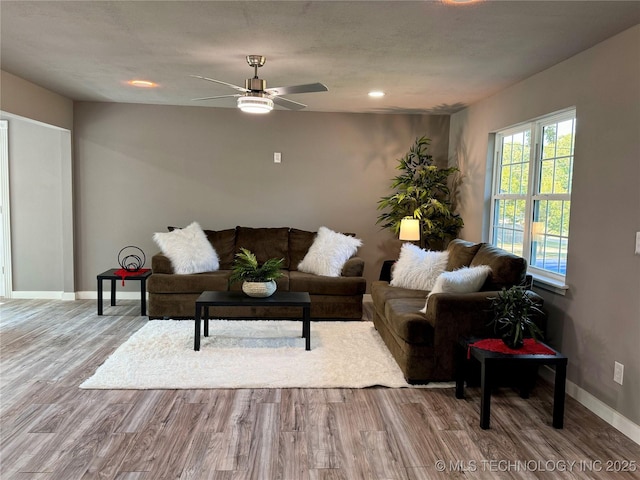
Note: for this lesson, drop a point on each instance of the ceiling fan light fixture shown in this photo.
(255, 104)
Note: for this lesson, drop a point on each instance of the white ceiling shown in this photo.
(428, 56)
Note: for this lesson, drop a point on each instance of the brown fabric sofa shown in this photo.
(423, 344)
(174, 296)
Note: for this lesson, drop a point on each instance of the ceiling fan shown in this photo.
(254, 97)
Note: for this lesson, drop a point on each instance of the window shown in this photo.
(531, 198)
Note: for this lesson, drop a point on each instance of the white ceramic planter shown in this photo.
(259, 289)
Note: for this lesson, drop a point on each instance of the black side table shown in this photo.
(111, 275)
(490, 361)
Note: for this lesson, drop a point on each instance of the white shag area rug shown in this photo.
(250, 354)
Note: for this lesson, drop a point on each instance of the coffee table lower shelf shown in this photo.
(239, 299)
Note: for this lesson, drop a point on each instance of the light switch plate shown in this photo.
(637, 243)
(277, 157)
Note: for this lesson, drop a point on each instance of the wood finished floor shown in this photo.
(50, 429)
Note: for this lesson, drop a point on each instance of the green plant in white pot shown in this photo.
(258, 280)
(514, 313)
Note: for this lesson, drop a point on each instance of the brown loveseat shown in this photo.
(423, 344)
(174, 296)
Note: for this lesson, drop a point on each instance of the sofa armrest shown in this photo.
(467, 314)
(161, 264)
(354, 267)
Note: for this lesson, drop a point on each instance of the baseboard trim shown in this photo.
(601, 409)
(43, 295)
(93, 295)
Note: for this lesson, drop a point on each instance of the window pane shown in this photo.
(565, 138)
(514, 166)
(557, 157)
(549, 239)
(508, 231)
(561, 181)
(546, 176)
(549, 141)
(505, 176)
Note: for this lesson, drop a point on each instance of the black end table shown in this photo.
(240, 299)
(489, 361)
(111, 275)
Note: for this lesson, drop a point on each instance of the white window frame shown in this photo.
(546, 277)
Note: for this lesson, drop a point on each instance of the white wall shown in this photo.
(598, 321)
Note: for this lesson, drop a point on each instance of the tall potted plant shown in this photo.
(422, 191)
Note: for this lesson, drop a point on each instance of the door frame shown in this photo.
(7, 277)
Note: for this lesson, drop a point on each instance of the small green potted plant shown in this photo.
(513, 319)
(258, 280)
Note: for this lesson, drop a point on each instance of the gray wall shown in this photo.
(29, 100)
(598, 321)
(140, 168)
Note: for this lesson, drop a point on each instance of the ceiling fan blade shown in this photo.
(286, 103)
(217, 96)
(235, 87)
(307, 88)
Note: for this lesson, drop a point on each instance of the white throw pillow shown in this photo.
(463, 280)
(328, 253)
(188, 249)
(418, 269)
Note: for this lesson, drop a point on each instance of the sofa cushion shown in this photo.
(194, 283)
(461, 253)
(405, 320)
(506, 269)
(224, 241)
(265, 243)
(319, 285)
(188, 249)
(381, 292)
(417, 268)
(329, 252)
(299, 243)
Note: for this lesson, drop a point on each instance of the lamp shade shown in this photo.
(409, 229)
(255, 104)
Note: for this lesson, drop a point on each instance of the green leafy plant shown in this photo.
(246, 268)
(422, 192)
(513, 312)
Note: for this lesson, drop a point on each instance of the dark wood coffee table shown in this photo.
(489, 363)
(240, 299)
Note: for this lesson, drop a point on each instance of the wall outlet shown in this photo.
(618, 372)
(277, 157)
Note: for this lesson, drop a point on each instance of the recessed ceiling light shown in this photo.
(376, 93)
(142, 83)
